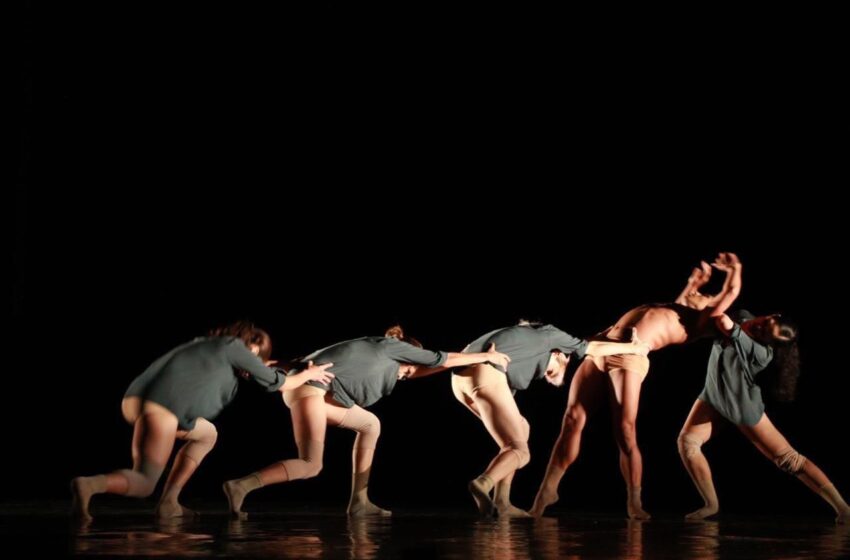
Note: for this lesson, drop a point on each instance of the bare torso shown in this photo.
(660, 324)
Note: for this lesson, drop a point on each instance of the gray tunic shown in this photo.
(197, 379)
(730, 381)
(366, 369)
(529, 348)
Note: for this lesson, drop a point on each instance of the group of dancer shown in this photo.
(178, 395)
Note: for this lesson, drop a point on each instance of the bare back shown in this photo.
(661, 324)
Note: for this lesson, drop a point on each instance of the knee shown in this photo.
(369, 427)
(145, 487)
(790, 461)
(210, 438)
(314, 467)
(522, 453)
(362, 422)
(628, 431)
(373, 427)
(689, 446)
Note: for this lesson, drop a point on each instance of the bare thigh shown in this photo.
(703, 421)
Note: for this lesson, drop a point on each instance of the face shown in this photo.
(696, 300)
(764, 329)
(557, 368)
(406, 370)
(254, 348)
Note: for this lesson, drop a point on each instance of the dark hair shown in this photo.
(781, 383)
(249, 334)
(396, 331)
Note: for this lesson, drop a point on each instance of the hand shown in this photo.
(700, 276)
(726, 262)
(270, 363)
(318, 373)
(497, 358)
(641, 347)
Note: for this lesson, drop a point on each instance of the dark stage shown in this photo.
(186, 166)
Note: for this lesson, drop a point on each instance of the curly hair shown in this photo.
(249, 334)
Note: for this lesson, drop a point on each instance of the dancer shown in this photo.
(536, 352)
(366, 369)
(658, 325)
(175, 398)
(745, 347)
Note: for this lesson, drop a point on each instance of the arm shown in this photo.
(724, 324)
(699, 277)
(601, 348)
(751, 350)
(312, 373)
(459, 359)
(243, 359)
(729, 263)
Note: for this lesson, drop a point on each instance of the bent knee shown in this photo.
(520, 449)
(790, 461)
(689, 445)
(313, 469)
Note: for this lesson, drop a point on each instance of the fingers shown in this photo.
(492, 347)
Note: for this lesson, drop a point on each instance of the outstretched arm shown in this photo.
(459, 359)
(311, 373)
(602, 348)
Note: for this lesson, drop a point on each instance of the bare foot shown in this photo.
(481, 495)
(703, 512)
(510, 510)
(362, 508)
(542, 501)
(637, 512)
(235, 496)
(170, 510)
(81, 493)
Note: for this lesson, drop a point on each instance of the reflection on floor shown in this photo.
(39, 529)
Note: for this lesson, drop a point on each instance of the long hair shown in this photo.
(396, 331)
(787, 358)
(249, 334)
(781, 383)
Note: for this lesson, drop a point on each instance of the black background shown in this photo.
(328, 173)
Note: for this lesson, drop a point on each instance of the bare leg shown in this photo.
(502, 490)
(775, 447)
(199, 442)
(153, 439)
(701, 423)
(502, 493)
(309, 425)
(503, 421)
(368, 429)
(586, 391)
(625, 388)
